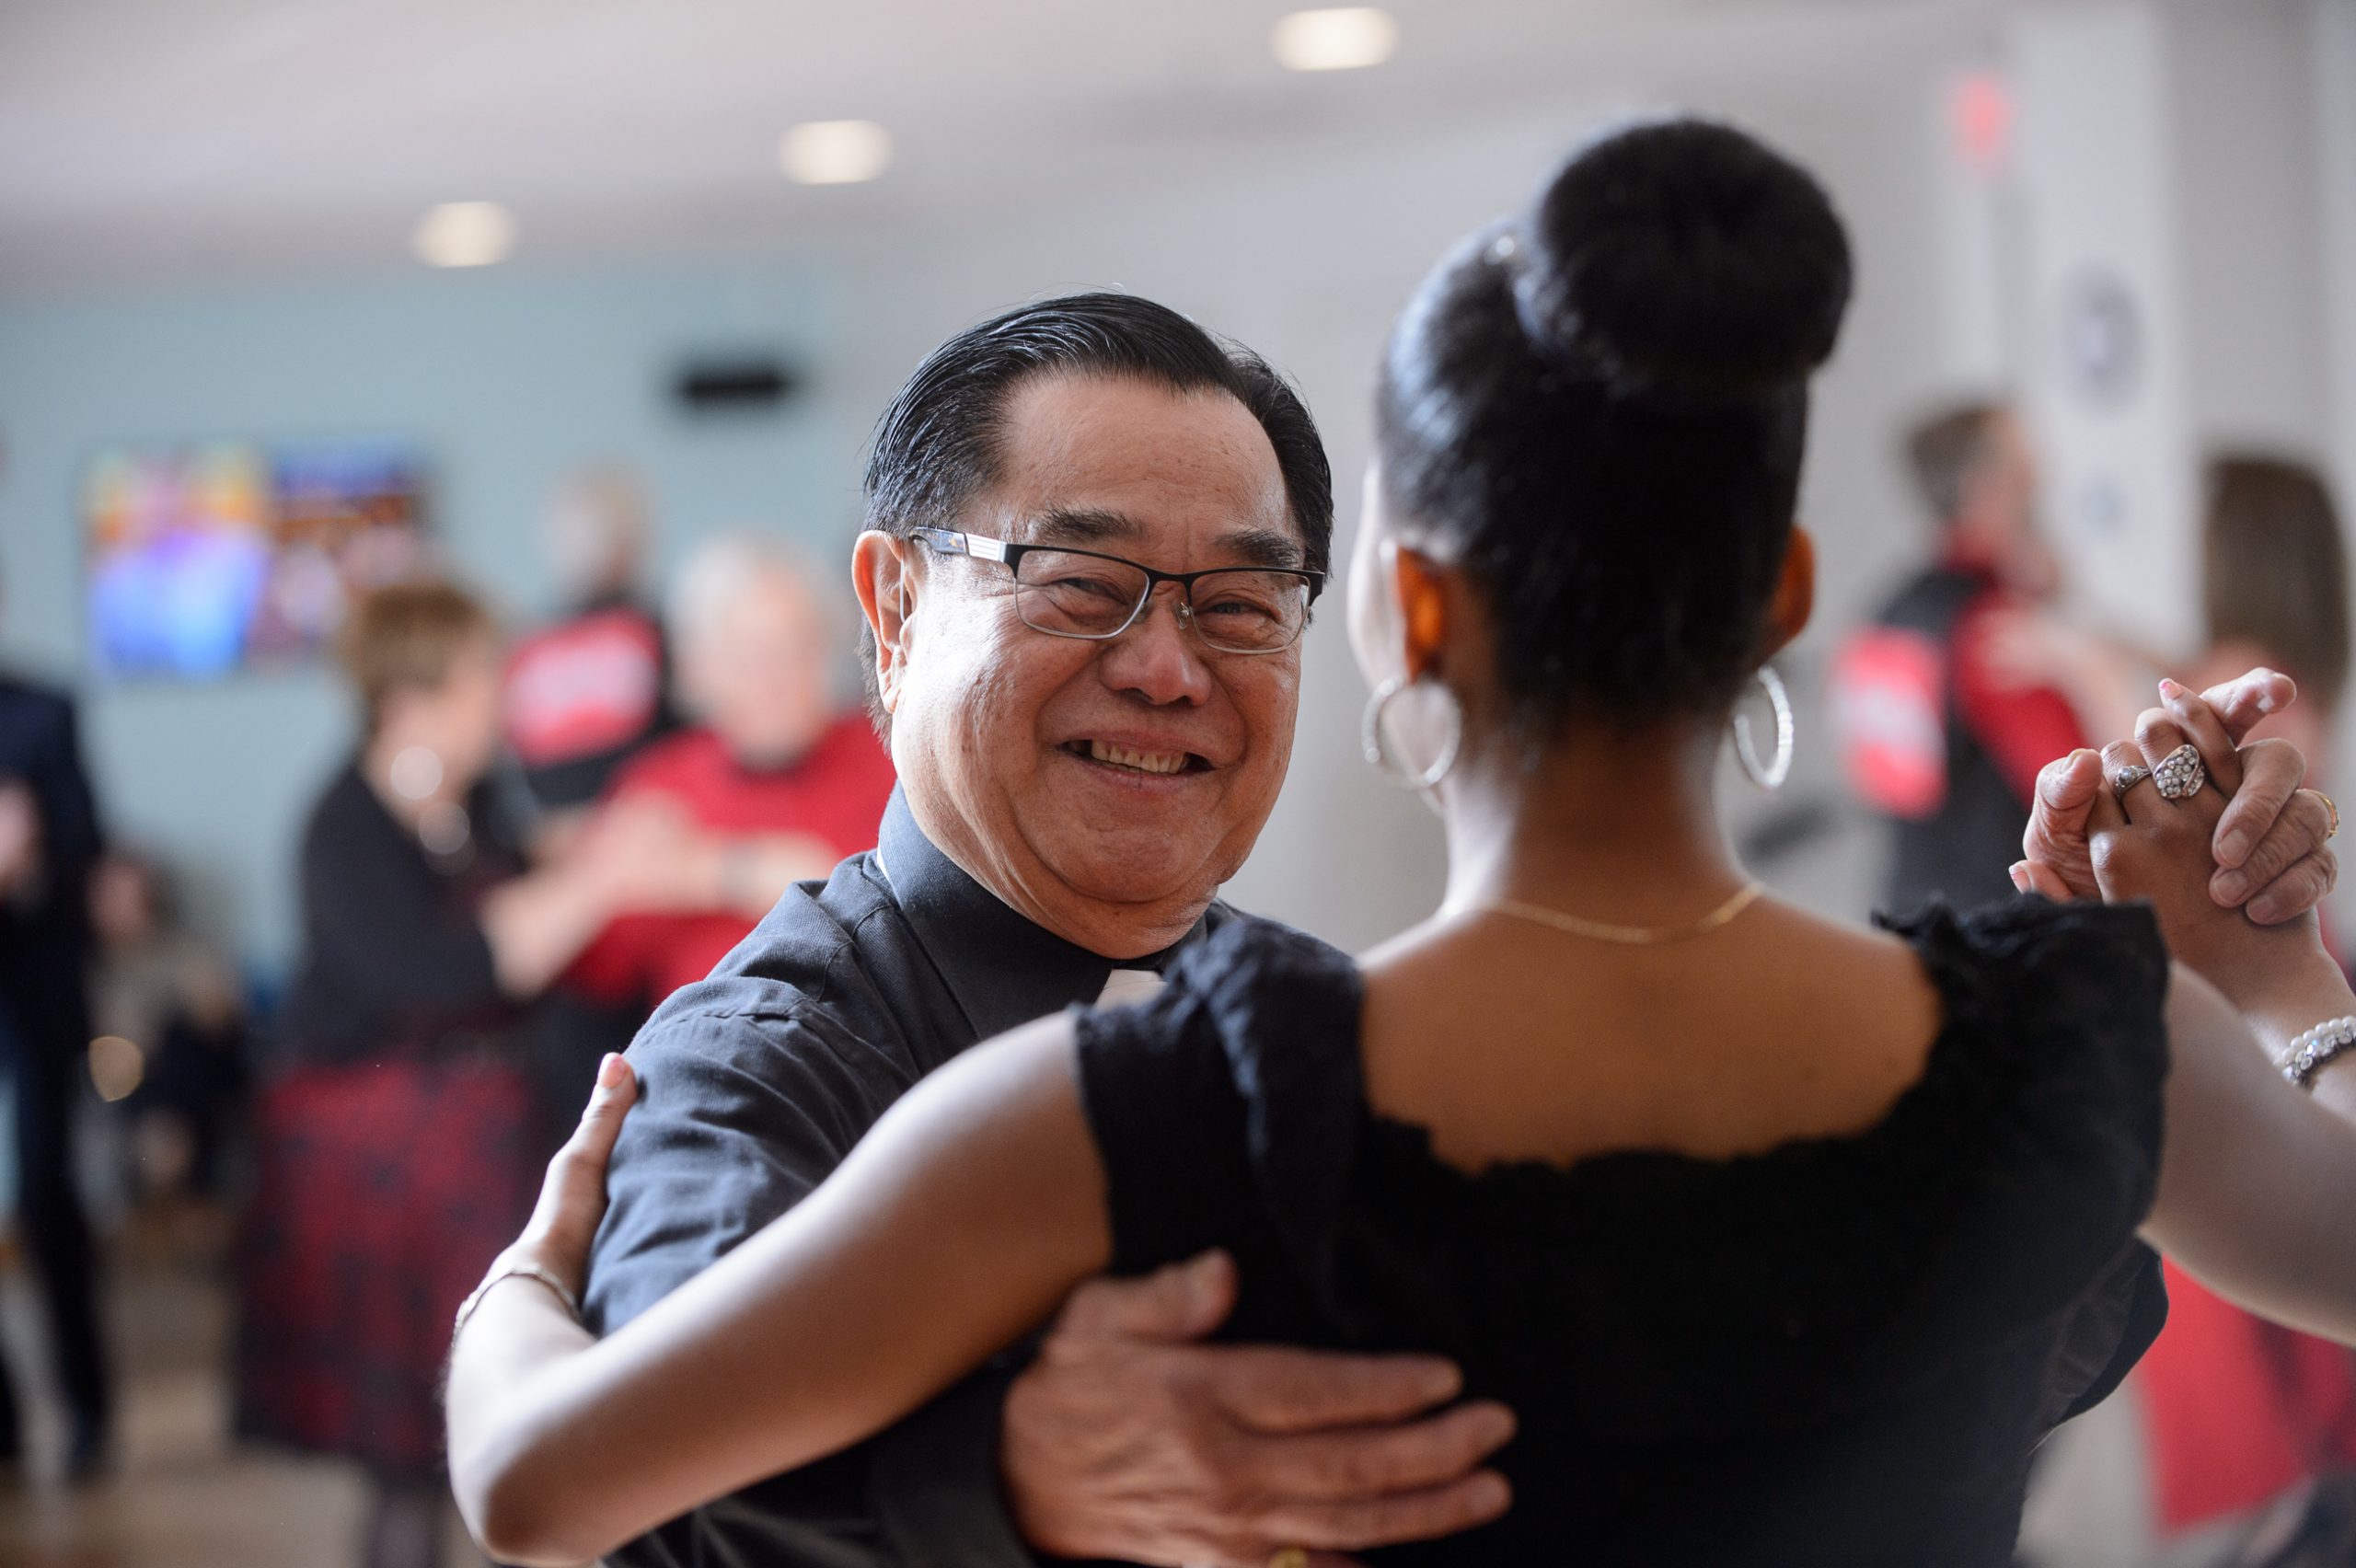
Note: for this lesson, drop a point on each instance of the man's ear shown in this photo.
(1795, 599)
(1420, 588)
(881, 575)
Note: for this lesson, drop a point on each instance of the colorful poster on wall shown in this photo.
(209, 558)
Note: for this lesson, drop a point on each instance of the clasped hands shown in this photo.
(2269, 844)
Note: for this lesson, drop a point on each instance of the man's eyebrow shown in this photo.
(1083, 527)
(1262, 546)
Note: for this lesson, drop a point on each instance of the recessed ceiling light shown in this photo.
(834, 152)
(465, 233)
(1344, 38)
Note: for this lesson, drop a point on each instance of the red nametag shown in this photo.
(1890, 715)
(583, 688)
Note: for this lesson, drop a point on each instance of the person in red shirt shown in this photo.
(1969, 681)
(585, 692)
(781, 782)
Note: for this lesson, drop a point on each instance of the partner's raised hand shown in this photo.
(2270, 834)
(2269, 847)
(2153, 849)
(1126, 1439)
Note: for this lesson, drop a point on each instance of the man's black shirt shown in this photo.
(753, 1086)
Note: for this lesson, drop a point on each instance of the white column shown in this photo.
(2333, 58)
(2172, 152)
(2105, 375)
(2245, 178)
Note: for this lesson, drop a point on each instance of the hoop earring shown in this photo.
(1768, 775)
(1378, 756)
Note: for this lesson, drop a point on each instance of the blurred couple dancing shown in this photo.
(1619, 1211)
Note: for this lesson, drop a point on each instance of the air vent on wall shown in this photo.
(735, 384)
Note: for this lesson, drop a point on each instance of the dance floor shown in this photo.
(179, 1494)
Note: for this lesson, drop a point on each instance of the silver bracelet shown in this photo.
(515, 1271)
(2315, 1050)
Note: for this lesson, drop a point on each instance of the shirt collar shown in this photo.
(1003, 968)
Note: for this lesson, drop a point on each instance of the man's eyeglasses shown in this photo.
(1069, 593)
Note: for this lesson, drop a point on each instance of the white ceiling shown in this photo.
(150, 141)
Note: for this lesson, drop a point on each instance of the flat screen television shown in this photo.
(208, 559)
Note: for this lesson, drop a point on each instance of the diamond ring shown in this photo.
(2181, 774)
(2126, 778)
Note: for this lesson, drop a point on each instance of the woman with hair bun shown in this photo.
(1784, 1240)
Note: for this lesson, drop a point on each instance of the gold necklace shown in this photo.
(1626, 935)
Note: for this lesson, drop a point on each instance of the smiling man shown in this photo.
(1106, 777)
(1095, 535)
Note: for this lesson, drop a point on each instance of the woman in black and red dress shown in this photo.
(396, 1144)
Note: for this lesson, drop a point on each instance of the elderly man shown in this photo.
(778, 783)
(1071, 797)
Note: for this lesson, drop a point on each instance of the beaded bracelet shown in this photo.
(519, 1271)
(2317, 1049)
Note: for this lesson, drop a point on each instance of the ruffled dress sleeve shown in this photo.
(1226, 1109)
(2064, 1080)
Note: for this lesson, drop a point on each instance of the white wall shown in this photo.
(2174, 146)
(2243, 129)
(2333, 58)
(2098, 180)
(2331, 33)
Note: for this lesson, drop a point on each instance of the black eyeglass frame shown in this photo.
(981, 546)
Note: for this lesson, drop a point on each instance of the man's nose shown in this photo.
(1158, 658)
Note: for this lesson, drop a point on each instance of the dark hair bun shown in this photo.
(1685, 264)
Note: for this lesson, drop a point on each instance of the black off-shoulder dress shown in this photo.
(1841, 1351)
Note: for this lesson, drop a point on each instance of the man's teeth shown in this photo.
(1147, 762)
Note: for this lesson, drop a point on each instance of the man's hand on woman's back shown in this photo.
(1129, 1439)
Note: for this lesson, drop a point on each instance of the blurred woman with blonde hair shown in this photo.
(396, 1150)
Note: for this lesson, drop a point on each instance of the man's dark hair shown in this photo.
(937, 445)
(1944, 450)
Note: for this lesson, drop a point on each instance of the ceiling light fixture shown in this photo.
(1344, 38)
(834, 152)
(464, 234)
